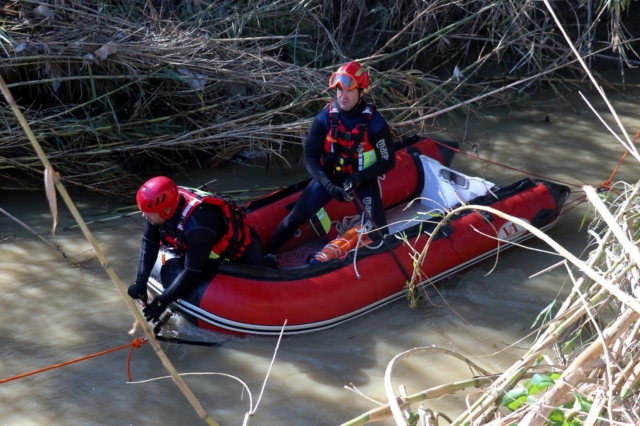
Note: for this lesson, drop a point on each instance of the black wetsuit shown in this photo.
(203, 229)
(315, 195)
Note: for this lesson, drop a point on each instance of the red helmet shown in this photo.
(350, 76)
(158, 194)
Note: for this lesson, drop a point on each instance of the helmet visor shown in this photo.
(345, 81)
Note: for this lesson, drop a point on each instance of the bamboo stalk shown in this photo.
(631, 382)
(107, 265)
(393, 402)
(384, 411)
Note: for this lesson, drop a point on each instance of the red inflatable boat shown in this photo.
(310, 297)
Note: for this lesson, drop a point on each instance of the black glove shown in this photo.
(138, 291)
(338, 193)
(351, 182)
(154, 309)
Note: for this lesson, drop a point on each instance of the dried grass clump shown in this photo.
(584, 366)
(595, 333)
(113, 96)
(116, 89)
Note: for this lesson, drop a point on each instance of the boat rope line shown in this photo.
(477, 157)
(135, 344)
(566, 209)
(607, 183)
(604, 186)
(359, 204)
(573, 204)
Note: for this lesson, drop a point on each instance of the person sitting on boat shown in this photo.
(200, 226)
(348, 146)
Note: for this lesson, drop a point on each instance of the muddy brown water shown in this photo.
(53, 313)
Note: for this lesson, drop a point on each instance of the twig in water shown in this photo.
(12, 237)
(33, 231)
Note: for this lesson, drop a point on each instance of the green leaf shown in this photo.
(538, 360)
(539, 382)
(548, 310)
(584, 404)
(515, 398)
(413, 419)
(557, 417)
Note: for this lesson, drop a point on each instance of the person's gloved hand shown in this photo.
(154, 309)
(138, 291)
(338, 193)
(351, 183)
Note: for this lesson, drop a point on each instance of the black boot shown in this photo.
(271, 261)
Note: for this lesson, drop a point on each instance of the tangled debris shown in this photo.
(118, 90)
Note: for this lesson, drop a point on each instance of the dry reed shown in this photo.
(116, 91)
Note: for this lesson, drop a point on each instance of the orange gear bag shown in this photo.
(342, 245)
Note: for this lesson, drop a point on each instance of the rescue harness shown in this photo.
(346, 151)
(233, 244)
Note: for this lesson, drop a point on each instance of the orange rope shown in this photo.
(137, 342)
(607, 183)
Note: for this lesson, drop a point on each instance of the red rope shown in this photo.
(577, 202)
(607, 183)
(507, 167)
(533, 174)
(137, 342)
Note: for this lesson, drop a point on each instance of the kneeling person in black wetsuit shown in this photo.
(348, 146)
(200, 226)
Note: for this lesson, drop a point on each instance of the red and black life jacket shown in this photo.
(232, 245)
(347, 152)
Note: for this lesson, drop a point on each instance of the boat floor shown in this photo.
(399, 218)
(298, 256)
